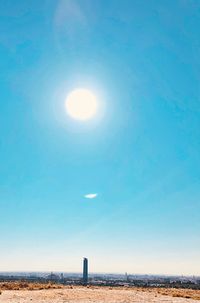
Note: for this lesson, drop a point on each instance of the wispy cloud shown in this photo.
(90, 196)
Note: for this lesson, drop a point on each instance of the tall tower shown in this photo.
(85, 270)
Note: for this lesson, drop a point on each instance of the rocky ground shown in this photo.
(98, 295)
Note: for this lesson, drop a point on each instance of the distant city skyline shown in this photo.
(123, 187)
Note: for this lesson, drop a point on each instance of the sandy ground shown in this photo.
(84, 294)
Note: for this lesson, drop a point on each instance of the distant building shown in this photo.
(62, 277)
(85, 270)
(126, 277)
(53, 277)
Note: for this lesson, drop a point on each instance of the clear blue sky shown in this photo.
(141, 154)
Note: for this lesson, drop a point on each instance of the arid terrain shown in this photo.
(24, 293)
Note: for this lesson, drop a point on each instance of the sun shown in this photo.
(81, 104)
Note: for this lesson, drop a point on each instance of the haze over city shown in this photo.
(99, 136)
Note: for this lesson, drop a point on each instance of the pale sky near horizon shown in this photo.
(139, 155)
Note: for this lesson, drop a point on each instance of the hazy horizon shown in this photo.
(30, 272)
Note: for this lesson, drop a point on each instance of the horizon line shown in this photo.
(100, 273)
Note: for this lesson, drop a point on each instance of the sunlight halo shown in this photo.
(81, 104)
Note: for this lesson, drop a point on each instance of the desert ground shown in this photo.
(79, 294)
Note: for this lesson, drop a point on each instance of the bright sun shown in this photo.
(81, 104)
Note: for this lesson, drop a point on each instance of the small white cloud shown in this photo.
(90, 196)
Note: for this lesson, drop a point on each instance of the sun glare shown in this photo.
(81, 104)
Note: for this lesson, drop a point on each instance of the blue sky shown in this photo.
(140, 154)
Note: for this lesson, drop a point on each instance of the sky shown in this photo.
(138, 157)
